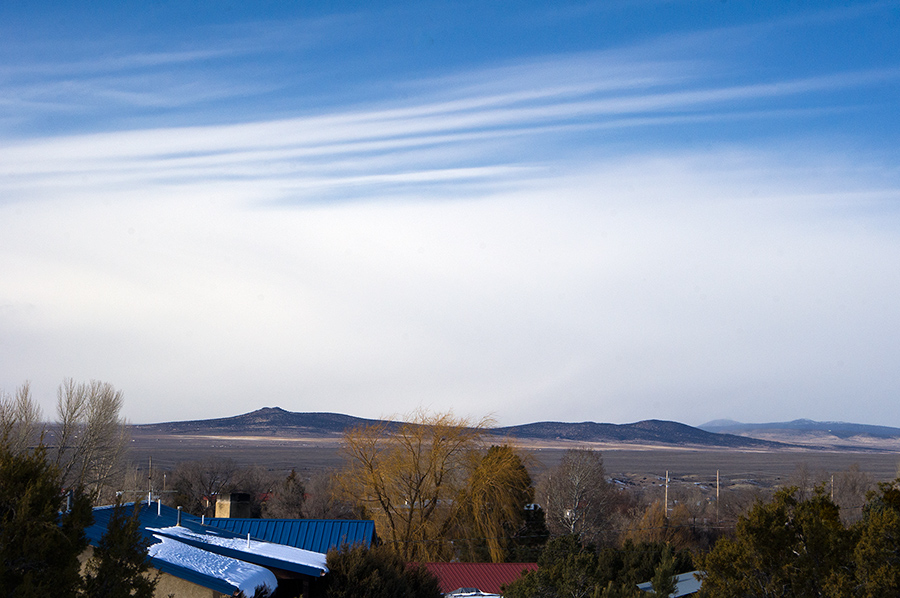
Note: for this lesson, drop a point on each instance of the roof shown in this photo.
(317, 535)
(210, 557)
(685, 584)
(487, 578)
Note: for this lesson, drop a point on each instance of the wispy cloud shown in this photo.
(608, 246)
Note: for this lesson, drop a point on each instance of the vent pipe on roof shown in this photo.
(178, 521)
(158, 507)
(202, 519)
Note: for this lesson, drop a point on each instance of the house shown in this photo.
(200, 561)
(477, 579)
(686, 584)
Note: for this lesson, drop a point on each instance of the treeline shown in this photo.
(438, 491)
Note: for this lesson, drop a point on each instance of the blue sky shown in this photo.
(606, 211)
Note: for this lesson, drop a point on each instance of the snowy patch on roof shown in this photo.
(243, 576)
(281, 552)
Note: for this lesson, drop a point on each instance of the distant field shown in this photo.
(639, 465)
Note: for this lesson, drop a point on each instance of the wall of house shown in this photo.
(167, 586)
(170, 586)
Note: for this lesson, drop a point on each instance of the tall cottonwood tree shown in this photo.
(406, 476)
(20, 419)
(576, 495)
(89, 441)
(91, 437)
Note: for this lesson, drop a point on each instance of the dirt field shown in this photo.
(642, 465)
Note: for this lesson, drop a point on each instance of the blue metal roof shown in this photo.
(152, 516)
(318, 535)
(155, 517)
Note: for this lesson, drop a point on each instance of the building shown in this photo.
(686, 584)
(200, 561)
(459, 580)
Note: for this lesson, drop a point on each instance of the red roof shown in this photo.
(487, 577)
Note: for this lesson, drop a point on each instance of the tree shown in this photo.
(407, 476)
(41, 536)
(377, 572)
(875, 556)
(786, 547)
(119, 567)
(576, 495)
(196, 483)
(20, 419)
(493, 502)
(663, 582)
(325, 500)
(91, 437)
(850, 489)
(287, 503)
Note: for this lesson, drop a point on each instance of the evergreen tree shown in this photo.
(40, 538)
(378, 572)
(663, 581)
(120, 566)
(786, 547)
(876, 556)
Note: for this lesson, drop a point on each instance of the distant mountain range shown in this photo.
(815, 433)
(274, 421)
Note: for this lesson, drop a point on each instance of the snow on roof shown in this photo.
(243, 576)
(243, 548)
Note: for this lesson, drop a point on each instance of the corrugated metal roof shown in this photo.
(163, 517)
(157, 516)
(685, 584)
(318, 535)
(487, 577)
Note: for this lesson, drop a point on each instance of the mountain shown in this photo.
(838, 429)
(274, 421)
(835, 435)
(268, 421)
(650, 431)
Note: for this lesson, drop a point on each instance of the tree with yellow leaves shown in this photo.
(492, 505)
(408, 476)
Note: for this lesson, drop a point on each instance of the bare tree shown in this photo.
(91, 437)
(197, 483)
(287, 500)
(576, 495)
(20, 419)
(849, 489)
(324, 499)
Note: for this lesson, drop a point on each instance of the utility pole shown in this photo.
(666, 504)
(717, 497)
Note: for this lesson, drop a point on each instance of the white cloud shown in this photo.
(465, 248)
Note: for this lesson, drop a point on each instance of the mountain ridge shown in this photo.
(275, 421)
(805, 429)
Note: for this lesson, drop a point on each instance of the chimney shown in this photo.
(236, 504)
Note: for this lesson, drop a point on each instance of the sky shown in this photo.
(608, 211)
